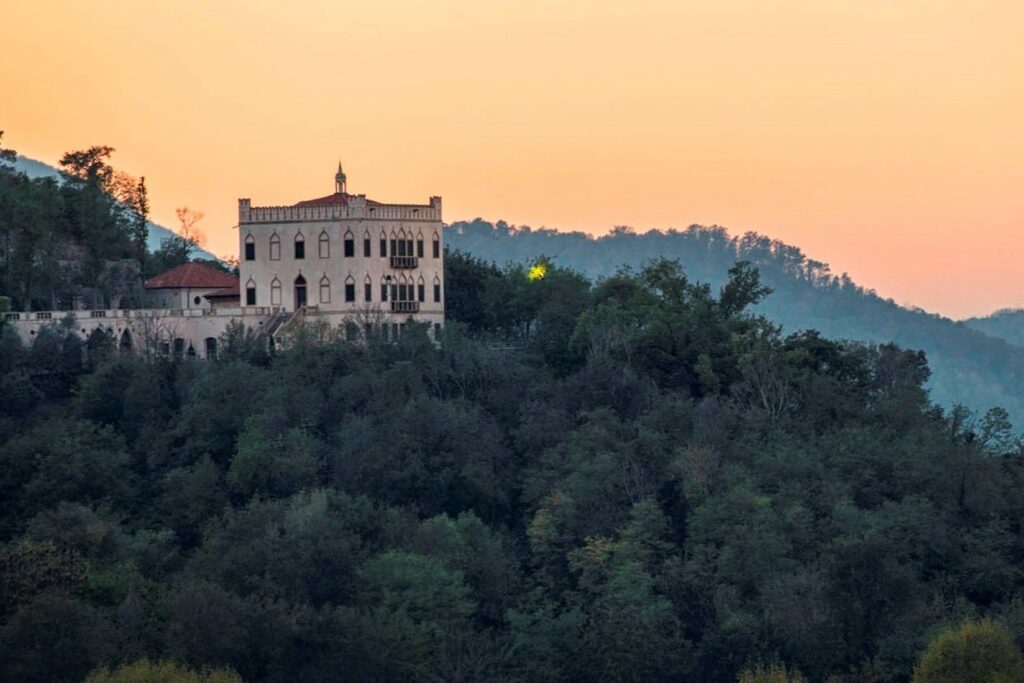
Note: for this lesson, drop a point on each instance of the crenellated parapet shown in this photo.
(338, 207)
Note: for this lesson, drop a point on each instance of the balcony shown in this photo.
(405, 306)
(404, 261)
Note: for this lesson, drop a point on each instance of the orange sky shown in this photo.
(882, 136)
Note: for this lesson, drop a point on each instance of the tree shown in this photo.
(773, 673)
(976, 652)
(145, 671)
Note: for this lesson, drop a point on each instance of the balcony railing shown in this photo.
(404, 261)
(405, 306)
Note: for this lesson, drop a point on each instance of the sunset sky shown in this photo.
(881, 136)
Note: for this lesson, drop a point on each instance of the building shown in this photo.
(344, 256)
(355, 264)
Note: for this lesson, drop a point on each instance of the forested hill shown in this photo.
(969, 366)
(157, 233)
(1006, 324)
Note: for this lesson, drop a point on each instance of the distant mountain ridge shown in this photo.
(157, 233)
(972, 362)
(1007, 324)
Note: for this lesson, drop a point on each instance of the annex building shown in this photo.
(350, 262)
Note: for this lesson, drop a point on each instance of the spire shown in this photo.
(339, 181)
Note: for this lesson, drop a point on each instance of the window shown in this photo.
(419, 246)
(325, 245)
(250, 248)
(197, 300)
(275, 247)
(437, 330)
(325, 290)
(394, 245)
(402, 292)
(437, 291)
(437, 246)
(250, 294)
(275, 292)
(350, 245)
(350, 290)
(383, 245)
(420, 296)
(368, 292)
(300, 292)
(383, 291)
(366, 247)
(300, 246)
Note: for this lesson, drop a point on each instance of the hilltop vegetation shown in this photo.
(1007, 324)
(651, 484)
(969, 367)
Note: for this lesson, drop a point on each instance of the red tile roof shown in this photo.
(192, 275)
(336, 199)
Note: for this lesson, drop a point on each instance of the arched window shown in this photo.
(275, 247)
(350, 289)
(250, 247)
(250, 293)
(366, 244)
(394, 244)
(420, 293)
(275, 292)
(211, 348)
(368, 289)
(419, 245)
(383, 244)
(437, 246)
(300, 246)
(325, 245)
(350, 245)
(300, 292)
(437, 290)
(325, 290)
(385, 281)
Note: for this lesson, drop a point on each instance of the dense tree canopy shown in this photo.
(630, 480)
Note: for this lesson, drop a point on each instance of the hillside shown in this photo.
(157, 233)
(654, 487)
(1006, 324)
(968, 365)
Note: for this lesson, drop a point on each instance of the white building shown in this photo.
(344, 256)
(353, 263)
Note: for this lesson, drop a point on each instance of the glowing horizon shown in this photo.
(883, 138)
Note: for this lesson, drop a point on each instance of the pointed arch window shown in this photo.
(437, 246)
(437, 290)
(350, 289)
(366, 244)
(275, 247)
(275, 292)
(419, 245)
(300, 246)
(325, 290)
(250, 247)
(300, 292)
(394, 244)
(250, 293)
(324, 244)
(350, 244)
(384, 282)
(420, 290)
(383, 244)
(368, 289)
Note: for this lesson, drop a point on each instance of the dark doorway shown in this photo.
(300, 292)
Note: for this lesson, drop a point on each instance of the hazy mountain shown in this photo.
(1006, 324)
(969, 366)
(157, 233)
